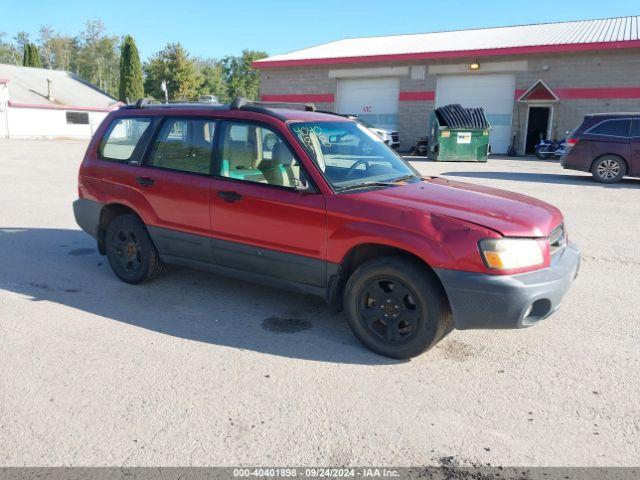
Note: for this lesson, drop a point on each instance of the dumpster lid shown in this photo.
(456, 116)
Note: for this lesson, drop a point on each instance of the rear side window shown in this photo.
(122, 137)
(612, 128)
(184, 145)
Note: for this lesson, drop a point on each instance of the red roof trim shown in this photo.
(591, 93)
(301, 97)
(491, 52)
(426, 96)
(63, 107)
(604, 92)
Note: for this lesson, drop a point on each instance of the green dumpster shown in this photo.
(458, 134)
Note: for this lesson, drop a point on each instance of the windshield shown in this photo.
(351, 155)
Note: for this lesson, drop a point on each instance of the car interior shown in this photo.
(257, 154)
(184, 145)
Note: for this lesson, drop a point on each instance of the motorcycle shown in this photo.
(546, 149)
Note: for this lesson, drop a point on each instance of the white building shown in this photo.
(42, 103)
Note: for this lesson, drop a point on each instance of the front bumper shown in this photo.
(509, 301)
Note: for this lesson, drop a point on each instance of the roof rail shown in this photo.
(240, 102)
(346, 115)
(142, 102)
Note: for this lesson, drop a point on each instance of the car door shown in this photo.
(175, 178)
(634, 158)
(260, 222)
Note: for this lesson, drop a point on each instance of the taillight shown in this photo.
(571, 142)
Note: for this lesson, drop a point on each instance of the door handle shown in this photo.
(145, 181)
(229, 196)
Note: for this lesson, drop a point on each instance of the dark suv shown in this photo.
(318, 204)
(607, 145)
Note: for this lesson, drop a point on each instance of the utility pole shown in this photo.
(163, 86)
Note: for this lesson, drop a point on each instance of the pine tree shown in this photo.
(131, 84)
(31, 57)
(26, 55)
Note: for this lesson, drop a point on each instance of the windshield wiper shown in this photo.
(404, 178)
(365, 185)
(388, 183)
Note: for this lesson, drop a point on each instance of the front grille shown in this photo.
(395, 136)
(557, 241)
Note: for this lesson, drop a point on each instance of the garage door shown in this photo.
(372, 99)
(494, 93)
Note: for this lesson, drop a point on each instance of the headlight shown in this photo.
(511, 253)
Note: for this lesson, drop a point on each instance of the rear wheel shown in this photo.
(609, 169)
(395, 307)
(131, 253)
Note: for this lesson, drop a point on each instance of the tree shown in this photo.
(131, 85)
(173, 65)
(65, 53)
(31, 57)
(211, 78)
(21, 40)
(98, 57)
(45, 41)
(8, 51)
(241, 79)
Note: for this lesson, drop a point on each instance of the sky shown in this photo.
(217, 28)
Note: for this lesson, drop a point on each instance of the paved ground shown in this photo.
(193, 369)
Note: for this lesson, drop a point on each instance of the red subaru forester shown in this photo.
(317, 203)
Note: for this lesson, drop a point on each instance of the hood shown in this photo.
(508, 213)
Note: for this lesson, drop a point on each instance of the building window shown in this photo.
(77, 118)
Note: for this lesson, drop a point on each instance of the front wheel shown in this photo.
(609, 169)
(396, 307)
(542, 155)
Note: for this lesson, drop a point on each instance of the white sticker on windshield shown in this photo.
(464, 137)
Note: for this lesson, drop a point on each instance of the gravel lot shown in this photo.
(197, 370)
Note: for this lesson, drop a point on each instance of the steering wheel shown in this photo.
(353, 167)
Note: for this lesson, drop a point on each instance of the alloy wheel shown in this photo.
(388, 310)
(609, 169)
(127, 250)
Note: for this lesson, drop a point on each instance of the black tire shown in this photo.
(396, 307)
(609, 169)
(541, 155)
(132, 255)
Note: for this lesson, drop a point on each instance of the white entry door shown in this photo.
(374, 100)
(493, 92)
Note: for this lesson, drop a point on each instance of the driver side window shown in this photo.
(255, 153)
